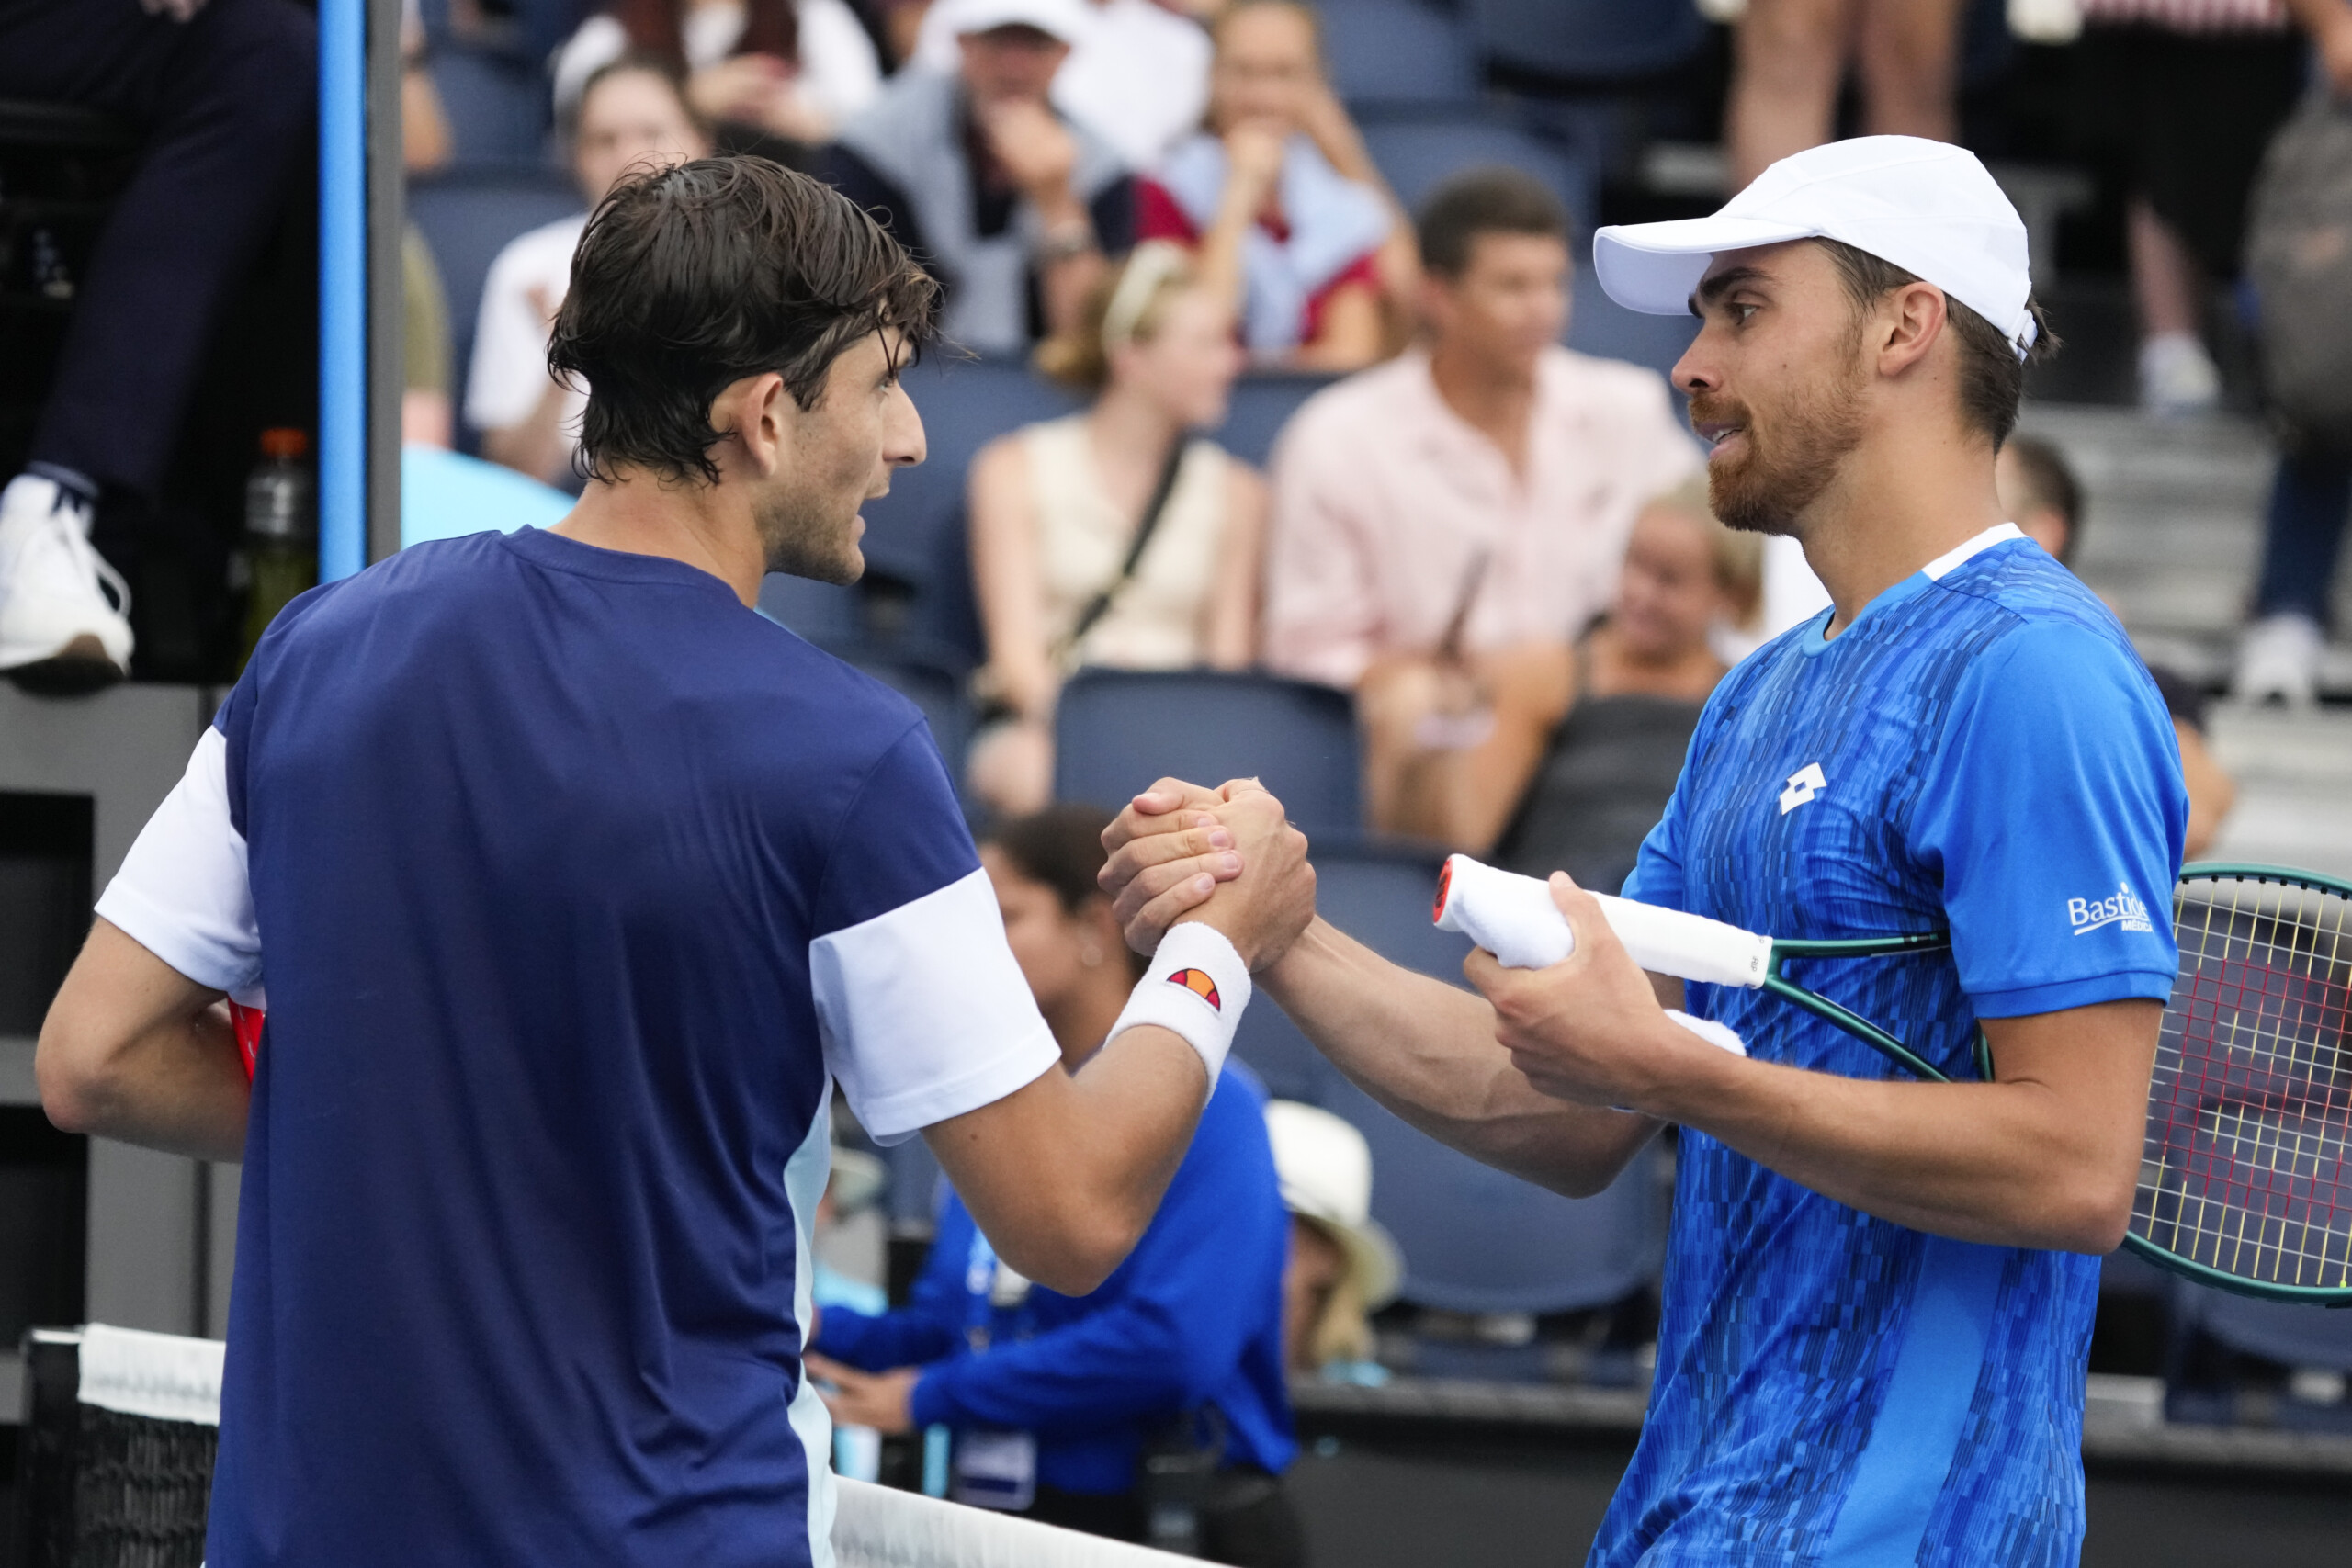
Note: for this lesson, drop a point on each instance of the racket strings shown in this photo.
(2250, 1126)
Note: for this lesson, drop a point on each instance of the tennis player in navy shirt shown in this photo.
(1878, 1291)
(570, 887)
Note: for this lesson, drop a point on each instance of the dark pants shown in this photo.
(2303, 534)
(1249, 1523)
(227, 103)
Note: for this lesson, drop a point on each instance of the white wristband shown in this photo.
(1196, 987)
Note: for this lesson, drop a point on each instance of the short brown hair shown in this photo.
(1060, 846)
(2050, 481)
(691, 277)
(1992, 377)
(1496, 200)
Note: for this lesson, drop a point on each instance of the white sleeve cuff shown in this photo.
(182, 892)
(925, 1013)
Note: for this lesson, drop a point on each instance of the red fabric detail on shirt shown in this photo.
(247, 1022)
(1158, 216)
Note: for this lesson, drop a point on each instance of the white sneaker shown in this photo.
(2177, 377)
(62, 629)
(2278, 661)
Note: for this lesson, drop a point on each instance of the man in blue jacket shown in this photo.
(1054, 1400)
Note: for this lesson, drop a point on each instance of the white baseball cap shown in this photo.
(1325, 1169)
(1928, 206)
(1065, 19)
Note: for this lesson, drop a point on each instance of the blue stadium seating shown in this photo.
(498, 107)
(2297, 1335)
(466, 217)
(1587, 42)
(820, 612)
(1416, 156)
(1597, 325)
(1386, 54)
(1117, 730)
(965, 403)
(1261, 406)
(1474, 1238)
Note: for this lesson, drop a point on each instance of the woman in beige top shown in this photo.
(1054, 510)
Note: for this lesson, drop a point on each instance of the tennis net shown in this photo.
(122, 1424)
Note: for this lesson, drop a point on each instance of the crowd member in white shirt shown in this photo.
(787, 68)
(1138, 75)
(631, 111)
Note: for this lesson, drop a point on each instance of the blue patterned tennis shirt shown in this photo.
(1981, 752)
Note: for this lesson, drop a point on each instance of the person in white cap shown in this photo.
(1343, 1263)
(1878, 1291)
(1011, 206)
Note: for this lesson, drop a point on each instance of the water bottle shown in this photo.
(281, 542)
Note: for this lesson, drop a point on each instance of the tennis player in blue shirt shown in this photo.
(570, 886)
(1879, 1291)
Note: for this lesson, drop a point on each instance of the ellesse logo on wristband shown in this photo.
(1197, 982)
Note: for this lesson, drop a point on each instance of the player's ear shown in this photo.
(1910, 322)
(760, 412)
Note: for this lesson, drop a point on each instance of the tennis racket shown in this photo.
(2246, 1179)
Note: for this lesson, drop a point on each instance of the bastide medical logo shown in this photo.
(2122, 908)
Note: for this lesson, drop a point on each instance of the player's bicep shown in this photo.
(2093, 1062)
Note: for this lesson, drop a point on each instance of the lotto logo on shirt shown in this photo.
(2123, 908)
(1200, 984)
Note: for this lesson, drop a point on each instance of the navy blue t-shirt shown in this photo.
(573, 884)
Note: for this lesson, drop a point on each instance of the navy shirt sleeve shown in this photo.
(2054, 811)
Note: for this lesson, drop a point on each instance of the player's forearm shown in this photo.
(2007, 1163)
(1427, 1052)
(177, 1086)
(1064, 1175)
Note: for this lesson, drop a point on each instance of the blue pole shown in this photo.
(342, 287)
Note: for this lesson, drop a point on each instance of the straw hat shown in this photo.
(1324, 1169)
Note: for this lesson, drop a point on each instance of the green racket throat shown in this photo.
(1852, 1022)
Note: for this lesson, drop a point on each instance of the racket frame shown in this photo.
(1852, 1022)
(2163, 1256)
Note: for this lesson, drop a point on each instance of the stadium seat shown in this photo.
(2290, 1333)
(1597, 325)
(498, 106)
(466, 217)
(1117, 730)
(1416, 156)
(1586, 42)
(1261, 405)
(965, 403)
(1388, 54)
(1475, 1240)
(822, 612)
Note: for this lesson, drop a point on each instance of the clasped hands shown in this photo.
(1591, 1029)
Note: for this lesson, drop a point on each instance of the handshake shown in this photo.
(1227, 857)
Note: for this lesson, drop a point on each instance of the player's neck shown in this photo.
(707, 526)
(1900, 500)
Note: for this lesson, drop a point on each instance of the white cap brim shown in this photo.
(1655, 267)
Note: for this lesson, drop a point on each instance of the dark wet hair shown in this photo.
(691, 277)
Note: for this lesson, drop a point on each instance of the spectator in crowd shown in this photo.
(1011, 206)
(223, 95)
(761, 72)
(1343, 1263)
(2043, 498)
(1139, 74)
(1582, 798)
(2311, 501)
(1294, 244)
(1445, 526)
(1788, 64)
(1057, 509)
(2185, 94)
(631, 111)
(1054, 1400)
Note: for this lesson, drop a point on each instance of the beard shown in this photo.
(1788, 463)
(800, 538)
